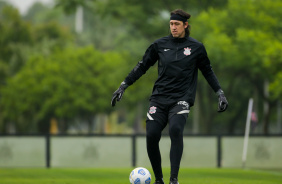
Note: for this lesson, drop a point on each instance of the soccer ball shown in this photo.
(140, 175)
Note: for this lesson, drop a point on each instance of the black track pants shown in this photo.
(153, 136)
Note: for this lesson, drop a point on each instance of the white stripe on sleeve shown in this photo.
(183, 112)
(150, 117)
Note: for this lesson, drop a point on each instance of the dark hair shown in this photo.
(185, 15)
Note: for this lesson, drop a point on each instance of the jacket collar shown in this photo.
(179, 40)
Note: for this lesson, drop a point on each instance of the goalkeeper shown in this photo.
(179, 57)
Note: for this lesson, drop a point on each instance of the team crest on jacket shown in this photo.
(187, 51)
(153, 110)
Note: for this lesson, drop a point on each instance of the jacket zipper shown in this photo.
(176, 50)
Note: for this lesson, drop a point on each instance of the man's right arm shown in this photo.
(149, 59)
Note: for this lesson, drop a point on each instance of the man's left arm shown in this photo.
(206, 69)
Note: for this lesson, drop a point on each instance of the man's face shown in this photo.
(177, 28)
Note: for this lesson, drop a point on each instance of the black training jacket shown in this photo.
(178, 62)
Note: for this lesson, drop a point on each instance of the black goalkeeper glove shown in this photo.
(222, 102)
(118, 93)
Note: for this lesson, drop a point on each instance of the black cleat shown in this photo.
(159, 182)
(173, 181)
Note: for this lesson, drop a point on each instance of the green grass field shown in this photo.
(120, 176)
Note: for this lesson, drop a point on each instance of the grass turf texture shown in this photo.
(121, 175)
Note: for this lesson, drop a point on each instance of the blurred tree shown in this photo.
(68, 84)
(3, 4)
(70, 6)
(105, 32)
(40, 13)
(19, 40)
(12, 31)
(147, 17)
(243, 42)
(276, 86)
(37, 13)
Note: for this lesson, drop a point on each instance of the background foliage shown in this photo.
(50, 71)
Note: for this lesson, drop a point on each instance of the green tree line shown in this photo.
(47, 70)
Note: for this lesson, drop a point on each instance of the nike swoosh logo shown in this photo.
(166, 49)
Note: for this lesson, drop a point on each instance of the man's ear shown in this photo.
(186, 25)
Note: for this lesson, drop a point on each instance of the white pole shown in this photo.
(79, 19)
(247, 132)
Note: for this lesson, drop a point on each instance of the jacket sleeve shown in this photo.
(149, 59)
(206, 69)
